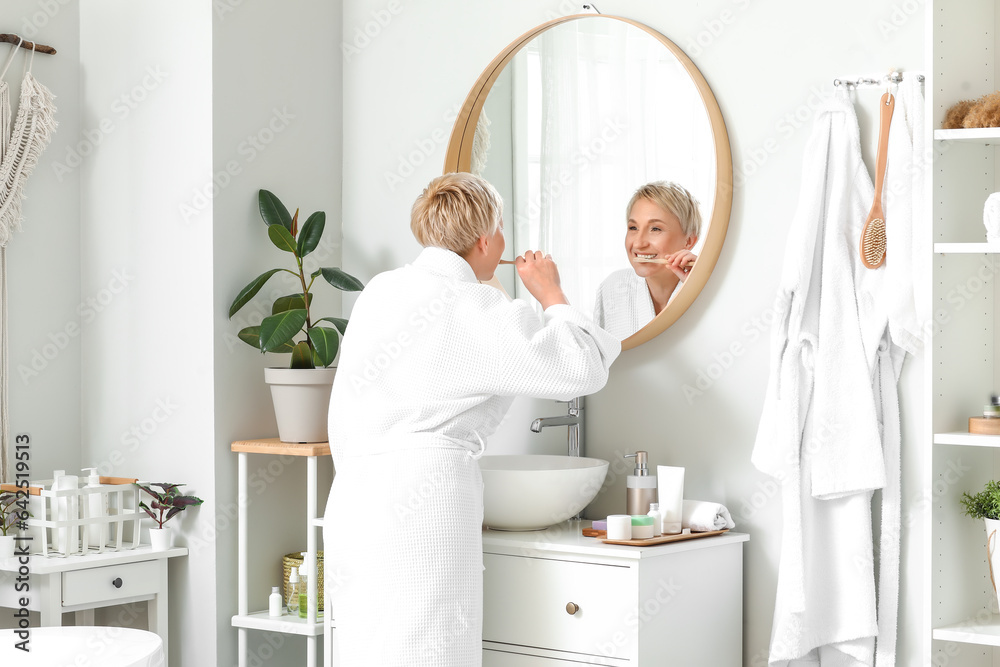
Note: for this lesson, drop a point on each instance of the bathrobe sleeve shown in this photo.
(564, 356)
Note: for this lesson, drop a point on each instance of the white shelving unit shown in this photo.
(963, 40)
(310, 627)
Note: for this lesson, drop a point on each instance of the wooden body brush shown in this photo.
(873, 233)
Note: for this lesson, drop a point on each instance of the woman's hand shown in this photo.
(540, 276)
(680, 263)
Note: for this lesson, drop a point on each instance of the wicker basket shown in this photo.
(288, 561)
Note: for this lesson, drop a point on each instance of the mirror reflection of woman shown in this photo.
(663, 225)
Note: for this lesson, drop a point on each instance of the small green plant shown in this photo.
(9, 513)
(290, 314)
(985, 504)
(167, 503)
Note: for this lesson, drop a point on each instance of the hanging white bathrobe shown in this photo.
(431, 362)
(830, 425)
(624, 304)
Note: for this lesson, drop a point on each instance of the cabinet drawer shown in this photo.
(97, 584)
(527, 599)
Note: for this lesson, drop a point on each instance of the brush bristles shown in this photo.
(873, 243)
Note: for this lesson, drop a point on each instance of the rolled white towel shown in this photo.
(702, 516)
(991, 217)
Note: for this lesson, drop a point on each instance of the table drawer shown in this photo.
(526, 605)
(98, 584)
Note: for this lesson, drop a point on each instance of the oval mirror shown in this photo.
(567, 122)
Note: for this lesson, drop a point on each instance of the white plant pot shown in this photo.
(301, 398)
(993, 549)
(161, 539)
(6, 546)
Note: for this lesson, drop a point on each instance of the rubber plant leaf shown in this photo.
(289, 302)
(326, 342)
(279, 329)
(272, 211)
(341, 280)
(250, 291)
(311, 233)
(281, 238)
(338, 322)
(302, 356)
(251, 336)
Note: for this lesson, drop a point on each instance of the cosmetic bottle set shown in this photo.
(654, 504)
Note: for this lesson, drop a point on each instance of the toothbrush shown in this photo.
(659, 260)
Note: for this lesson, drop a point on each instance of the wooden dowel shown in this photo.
(118, 480)
(12, 488)
(39, 48)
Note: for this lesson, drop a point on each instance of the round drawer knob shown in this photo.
(572, 608)
(117, 583)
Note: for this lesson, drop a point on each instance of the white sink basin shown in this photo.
(533, 492)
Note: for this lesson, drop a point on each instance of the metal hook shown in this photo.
(592, 6)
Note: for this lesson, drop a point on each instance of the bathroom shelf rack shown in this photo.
(978, 135)
(313, 626)
(967, 248)
(971, 632)
(967, 439)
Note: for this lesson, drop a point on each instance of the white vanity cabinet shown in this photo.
(556, 598)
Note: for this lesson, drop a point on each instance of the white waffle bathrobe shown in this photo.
(431, 362)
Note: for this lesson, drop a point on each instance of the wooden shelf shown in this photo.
(967, 439)
(986, 634)
(287, 624)
(978, 135)
(279, 448)
(966, 248)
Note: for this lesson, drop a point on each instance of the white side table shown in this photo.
(81, 584)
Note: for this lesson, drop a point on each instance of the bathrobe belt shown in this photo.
(391, 444)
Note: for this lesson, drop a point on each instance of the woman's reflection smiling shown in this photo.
(663, 226)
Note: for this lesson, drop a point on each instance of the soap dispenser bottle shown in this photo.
(640, 489)
(97, 533)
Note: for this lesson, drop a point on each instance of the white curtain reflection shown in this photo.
(599, 108)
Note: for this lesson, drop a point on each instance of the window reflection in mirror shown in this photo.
(582, 116)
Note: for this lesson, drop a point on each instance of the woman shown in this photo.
(430, 363)
(664, 224)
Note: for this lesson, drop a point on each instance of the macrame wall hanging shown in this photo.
(20, 148)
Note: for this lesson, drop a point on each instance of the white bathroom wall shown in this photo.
(277, 126)
(691, 397)
(147, 376)
(45, 302)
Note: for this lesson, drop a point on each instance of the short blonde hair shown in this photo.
(673, 198)
(454, 211)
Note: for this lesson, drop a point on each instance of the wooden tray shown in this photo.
(665, 539)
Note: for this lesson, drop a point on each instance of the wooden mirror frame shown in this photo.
(459, 158)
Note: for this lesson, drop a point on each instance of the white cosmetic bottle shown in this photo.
(654, 511)
(97, 533)
(67, 509)
(671, 498)
(274, 602)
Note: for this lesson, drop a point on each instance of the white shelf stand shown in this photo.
(310, 627)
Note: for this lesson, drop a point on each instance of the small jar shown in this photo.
(642, 527)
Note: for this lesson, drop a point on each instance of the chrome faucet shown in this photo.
(574, 420)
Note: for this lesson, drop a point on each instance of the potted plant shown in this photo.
(301, 392)
(9, 515)
(166, 504)
(985, 505)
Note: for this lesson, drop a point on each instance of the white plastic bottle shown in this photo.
(293, 593)
(274, 602)
(654, 511)
(67, 509)
(97, 532)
